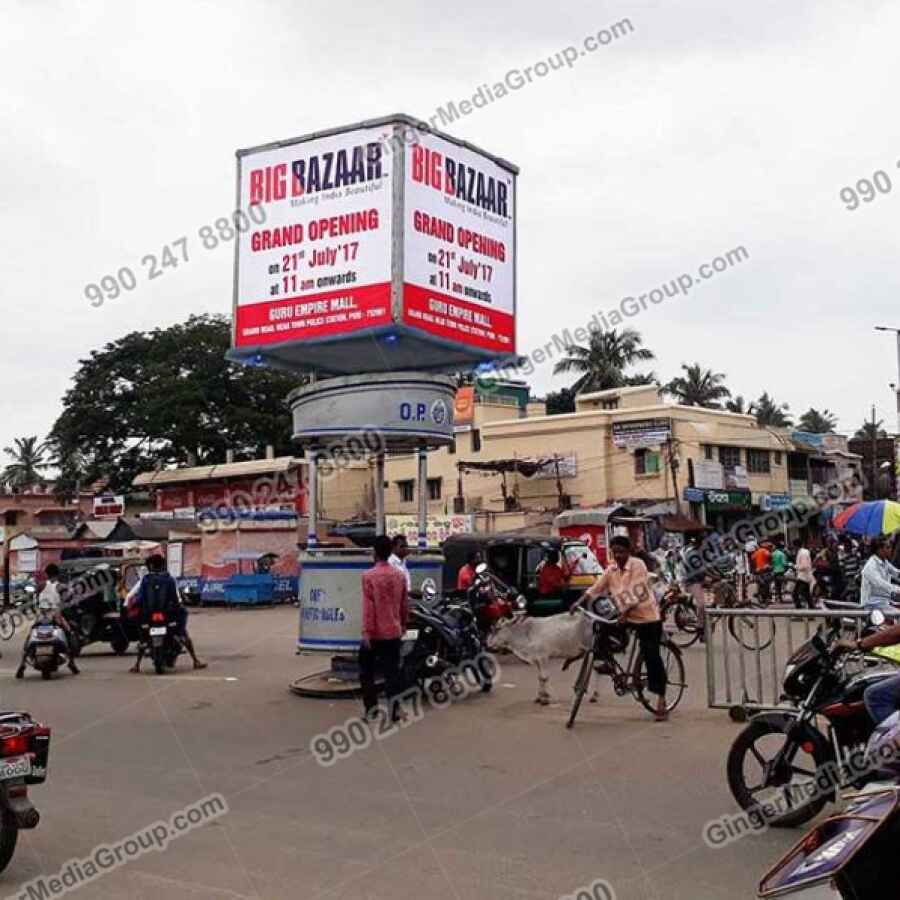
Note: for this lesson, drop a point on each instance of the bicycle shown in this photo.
(679, 607)
(610, 639)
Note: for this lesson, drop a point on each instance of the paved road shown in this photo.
(491, 798)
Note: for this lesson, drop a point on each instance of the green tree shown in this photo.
(27, 467)
(816, 422)
(698, 387)
(737, 405)
(869, 431)
(562, 401)
(163, 397)
(770, 413)
(602, 364)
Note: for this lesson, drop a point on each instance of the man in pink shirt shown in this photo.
(385, 613)
(627, 584)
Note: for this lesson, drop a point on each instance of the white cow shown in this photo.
(537, 641)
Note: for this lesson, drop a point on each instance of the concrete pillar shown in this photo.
(379, 494)
(312, 498)
(423, 498)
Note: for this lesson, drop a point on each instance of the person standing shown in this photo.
(761, 561)
(627, 583)
(779, 568)
(804, 568)
(467, 573)
(398, 558)
(879, 589)
(385, 614)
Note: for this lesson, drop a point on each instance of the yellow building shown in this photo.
(622, 445)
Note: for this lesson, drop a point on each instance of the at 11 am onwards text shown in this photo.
(154, 265)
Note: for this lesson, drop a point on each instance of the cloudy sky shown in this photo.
(713, 125)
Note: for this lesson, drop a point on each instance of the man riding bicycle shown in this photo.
(627, 584)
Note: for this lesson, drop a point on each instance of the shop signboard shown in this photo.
(641, 433)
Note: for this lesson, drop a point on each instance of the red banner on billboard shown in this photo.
(314, 315)
(456, 320)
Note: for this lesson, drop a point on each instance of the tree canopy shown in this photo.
(769, 411)
(817, 422)
(29, 462)
(698, 387)
(603, 363)
(167, 396)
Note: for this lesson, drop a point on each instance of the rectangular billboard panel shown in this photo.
(319, 266)
(459, 245)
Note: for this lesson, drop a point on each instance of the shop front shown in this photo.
(720, 509)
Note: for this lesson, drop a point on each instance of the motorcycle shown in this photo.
(161, 640)
(442, 635)
(47, 645)
(491, 600)
(788, 746)
(852, 855)
(24, 750)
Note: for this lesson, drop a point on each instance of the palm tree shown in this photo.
(603, 362)
(28, 461)
(737, 405)
(771, 413)
(870, 431)
(816, 422)
(698, 387)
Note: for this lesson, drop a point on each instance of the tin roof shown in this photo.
(222, 470)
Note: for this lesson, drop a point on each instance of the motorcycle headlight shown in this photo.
(789, 670)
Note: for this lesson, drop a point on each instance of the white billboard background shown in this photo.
(261, 272)
(426, 255)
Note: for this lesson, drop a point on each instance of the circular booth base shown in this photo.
(340, 682)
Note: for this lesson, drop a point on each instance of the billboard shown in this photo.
(642, 433)
(320, 265)
(458, 245)
(375, 247)
(109, 506)
(439, 528)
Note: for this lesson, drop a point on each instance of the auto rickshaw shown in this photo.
(516, 559)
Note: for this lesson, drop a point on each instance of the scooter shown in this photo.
(47, 645)
(161, 641)
(24, 749)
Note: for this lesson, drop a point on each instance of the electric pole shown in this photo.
(673, 465)
(874, 455)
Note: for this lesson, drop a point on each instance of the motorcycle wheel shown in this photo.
(745, 748)
(9, 834)
(119, 644)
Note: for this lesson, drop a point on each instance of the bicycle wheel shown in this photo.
(725, 595)
(751, 633)
(581, 685)
(675, 677)
(7, 628)
(680, 622)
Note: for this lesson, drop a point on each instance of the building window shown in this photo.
(758, 462)
(434, 488)
(609, 404)
(647, 462)
(476, 440)
(707, 451)
(730, 457)
(407, 490)
(777, 455)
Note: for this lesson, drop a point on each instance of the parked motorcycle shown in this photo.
(47, 646)
(443, 635)
(852, 856)
(161, 640)
(491, 600)
(24, 749)
(778, 755)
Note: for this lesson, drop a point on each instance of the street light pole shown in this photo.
(897, 385)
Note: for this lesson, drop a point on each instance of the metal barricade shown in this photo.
(746, 651)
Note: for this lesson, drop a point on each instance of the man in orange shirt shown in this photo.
(627, 583)
(761, 558)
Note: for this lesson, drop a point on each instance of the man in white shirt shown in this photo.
(397, 559)
(50, 600)
(805, 579)
(878, 590)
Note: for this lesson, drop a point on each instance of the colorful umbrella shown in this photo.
(871, 518)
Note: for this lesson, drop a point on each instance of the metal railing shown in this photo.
(745, 660)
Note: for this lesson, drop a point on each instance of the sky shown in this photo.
(710, 126)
